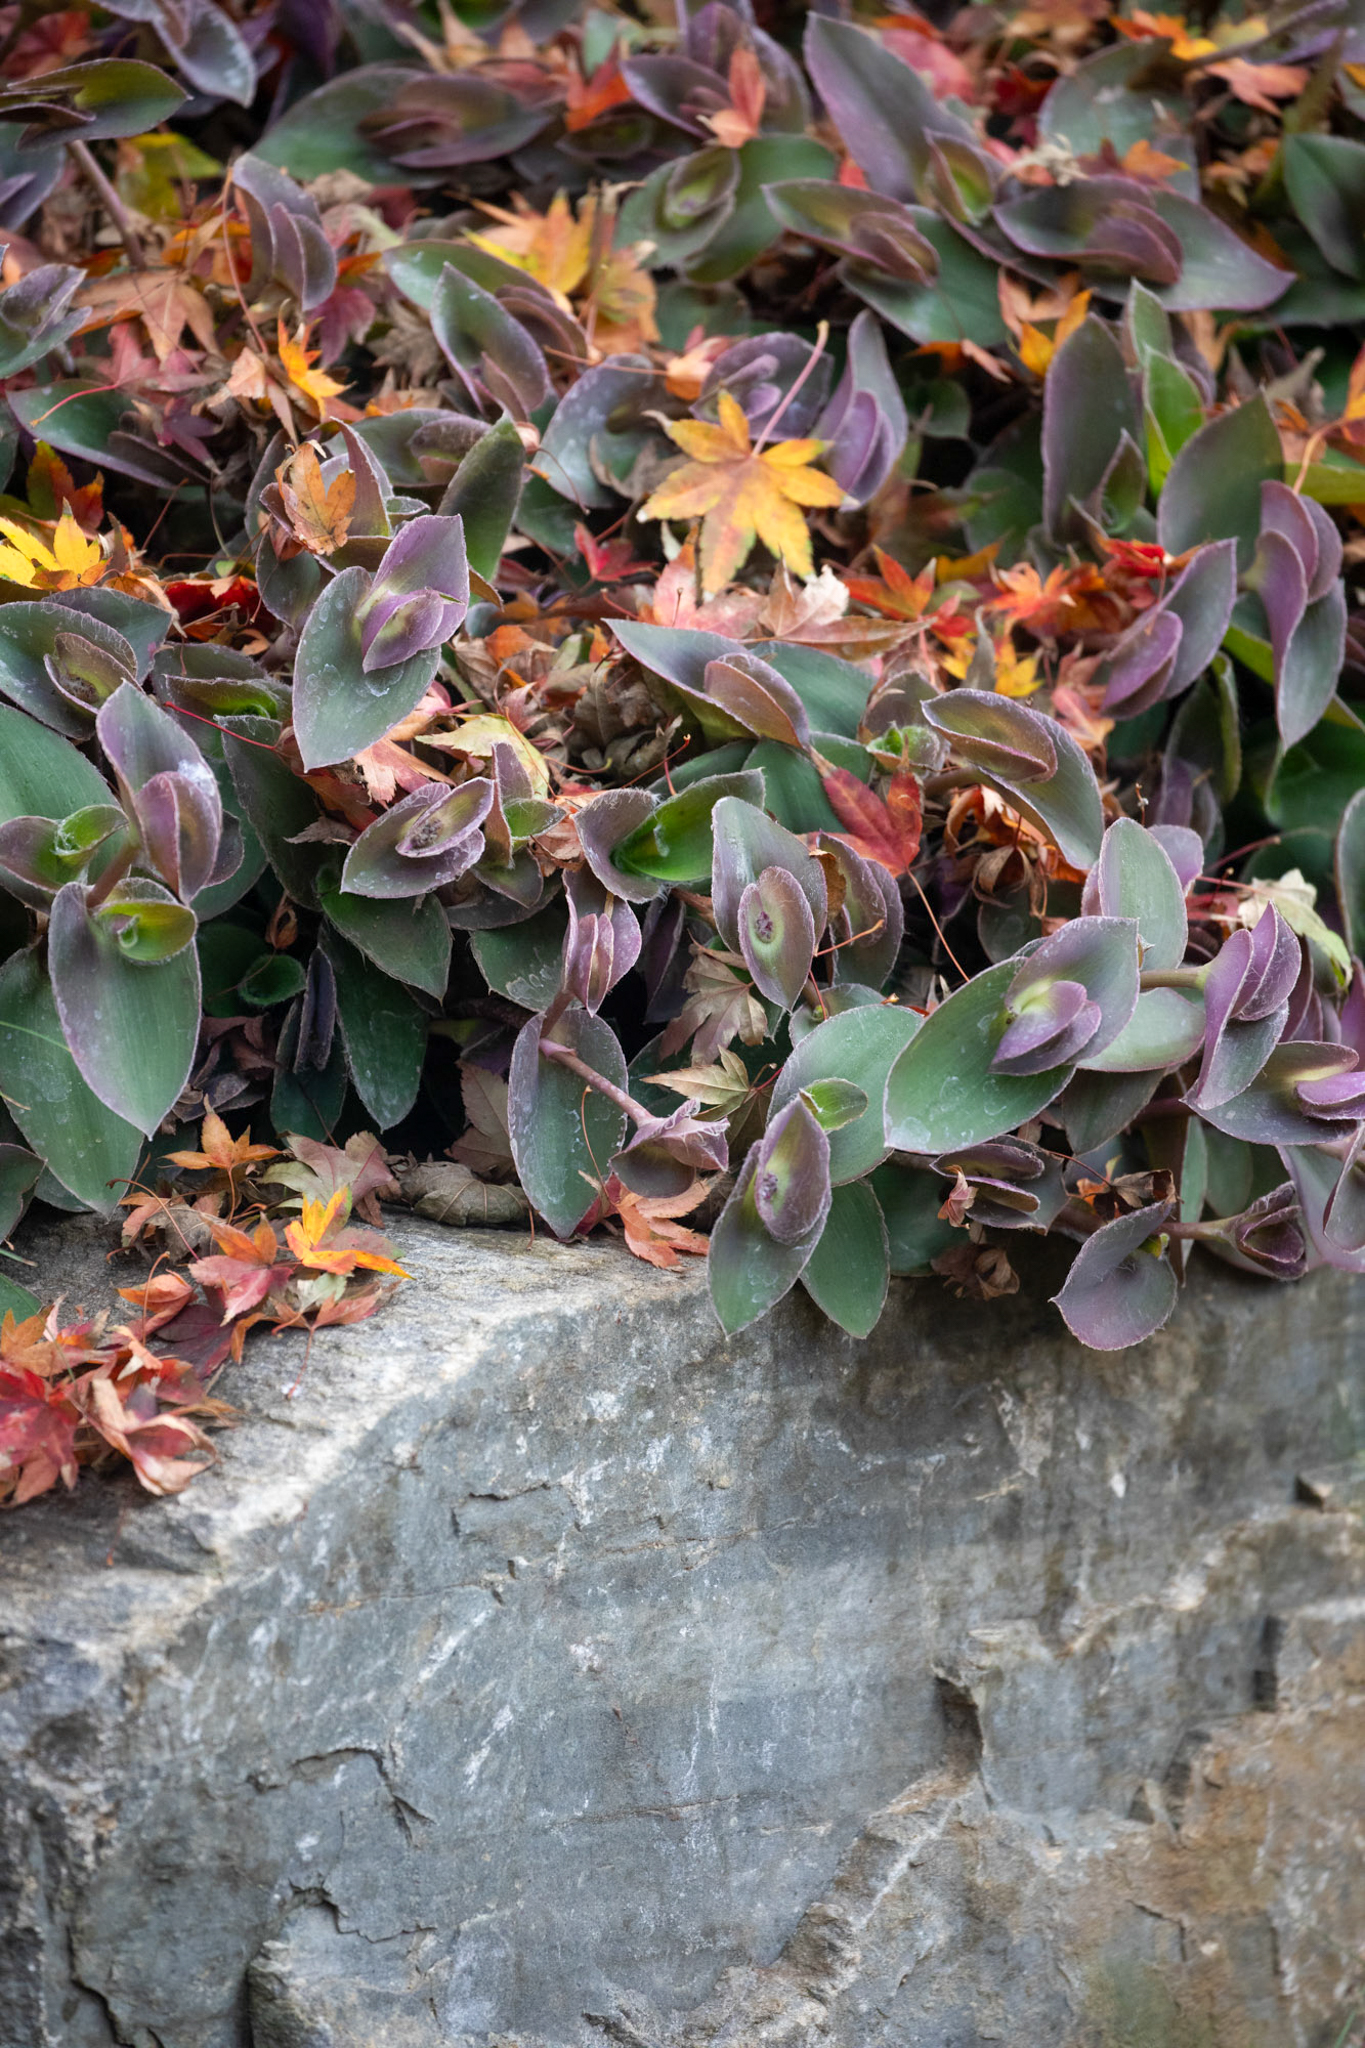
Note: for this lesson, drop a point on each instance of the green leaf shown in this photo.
(942, 1094)
(484, 492)
(16, 1301)
(910, 1198)
(560, 1128)
(525, 962)
(409, 941)
(1213, 491)
(1165, 1029)
(834, 692)
(41, 774)
(1087, 409)
(384, 1032)
(848, 1272)
(270, 978)
(339, 707)
(118, 95)
(1174, 413)
(19, 1169)
(277, 804)
(793, 791)
(1066, 804)
(1324, 176)
(674, 844)
(1350, 871)
(90, 1150)
(322, 131)
(90, 424)
(132, 1025)
(749, 228)
(1136, 879)
(305, 1099)
(962, 304)
(860, 1046)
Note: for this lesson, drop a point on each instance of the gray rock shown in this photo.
(540, 1670)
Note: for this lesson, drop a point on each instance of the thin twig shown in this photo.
(113, 205)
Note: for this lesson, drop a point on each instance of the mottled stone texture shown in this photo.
(550, 1673)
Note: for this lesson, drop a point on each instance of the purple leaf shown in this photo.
(420, 843)
(1052, 1023)
(1120, 1289)
(602, 825)
(1202, 598)
(867, 931)
(1184, 849)
(864, 425)
(777, 936)
(114, 968)
(1268, 1234)
(1311, 665)
(749, 1270)
(745, 841)
(1141, 664)
(1100, 955)
(761, 700)
(180, 830)
(665, 1154)
(602, 943)
(791, 1175)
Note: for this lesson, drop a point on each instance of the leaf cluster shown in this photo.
(736, 633)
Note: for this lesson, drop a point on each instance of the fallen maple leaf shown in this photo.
(650, 1231)
(218, 1148)
(741, 494)
(73, 558)
(740, 122)
(1260, 85)
(885, 830)
(320, 1240)
(321, 391)
(319, 514)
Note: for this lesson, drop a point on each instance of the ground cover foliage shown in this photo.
(735, 628)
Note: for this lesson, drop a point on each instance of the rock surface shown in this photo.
(544, 1671)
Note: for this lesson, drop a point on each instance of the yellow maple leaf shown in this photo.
(741, 494)
(1036, 349)
(1016, 675)
(73, 558)
(551, 247)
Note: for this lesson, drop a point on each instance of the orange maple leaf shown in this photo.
(739, 123)
(742, 494)
(218, 1148)
(315, 385)
(650, 1232)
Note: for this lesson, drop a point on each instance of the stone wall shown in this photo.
(548, 1672)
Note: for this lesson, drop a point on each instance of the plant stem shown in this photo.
(1175, 977)
(113, 205)
(565, 1058)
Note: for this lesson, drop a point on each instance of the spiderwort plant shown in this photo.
(777, 648)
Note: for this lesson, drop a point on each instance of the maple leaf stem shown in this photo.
(821, 337)
(565, 1058)
(113, 205)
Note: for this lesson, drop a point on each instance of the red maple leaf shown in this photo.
(887, 829)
